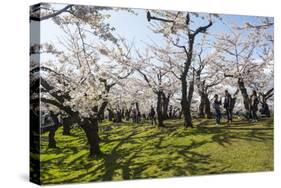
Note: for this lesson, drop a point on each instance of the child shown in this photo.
(216, 106)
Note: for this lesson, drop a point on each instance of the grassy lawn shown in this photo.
(135, 151)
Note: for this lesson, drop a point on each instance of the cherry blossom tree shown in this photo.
(158, 80)
(178, 28)
(207, 74)
(72, 80)
(246, 55)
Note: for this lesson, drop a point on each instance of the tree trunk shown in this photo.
(67, 122)
(264, 97)
(138, 113)
(90, 127)
(244, 94)
(122, 113)
(110, 115)
(200, 86)
(201, 113)
(180, 114)
(101, 110)
(137, 107)
(118, 115)
(175, 113)
(207, 106)
(51, 136)
(165, 106)
(265, 109)
(66, 129)
(159, 110)
(185, 104)
(52, 132)
(189, 99)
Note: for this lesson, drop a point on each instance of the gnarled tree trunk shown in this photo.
(52, 131)
(90, 127)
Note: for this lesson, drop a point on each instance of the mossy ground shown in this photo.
(135, 151)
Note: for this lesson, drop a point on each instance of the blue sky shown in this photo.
(135, 27)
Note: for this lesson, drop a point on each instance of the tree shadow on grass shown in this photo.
(151, 156)
(192, 163)
(226, 135)
(111, 160)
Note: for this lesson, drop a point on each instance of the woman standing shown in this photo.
(216, 106)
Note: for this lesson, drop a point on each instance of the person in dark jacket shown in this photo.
(254, 101)
(152, 115)
(216, 106)
(127, 115)
(228, 106)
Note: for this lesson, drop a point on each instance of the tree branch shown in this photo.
(149, 18)
(43, 68)
(228, 75)
(126, 76)
(269, 92)
(202, 29)
(34, 18)
(145, 77)
(180, 46)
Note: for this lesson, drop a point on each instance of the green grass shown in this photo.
(145, 151)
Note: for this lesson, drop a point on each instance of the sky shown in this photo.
(135, 27)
